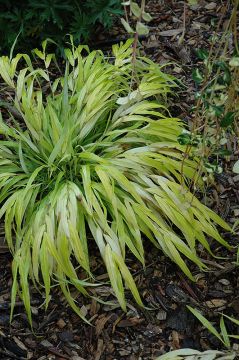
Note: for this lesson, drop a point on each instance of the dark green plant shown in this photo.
(217, 109)
(215, 126)
(36, 20)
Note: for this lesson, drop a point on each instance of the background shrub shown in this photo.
(37, 20)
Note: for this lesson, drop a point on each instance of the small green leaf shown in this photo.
(227, 120)
(127, 27)
(39, 54)
(234, 62)
(192, 2)
(223, 152)
(202, 54)
(197, 76)
(184, 139)
(142, 29)
(134, 7)
(49, 59)
(222, 65)
(216, 110)
(227, 78)
(146, 16)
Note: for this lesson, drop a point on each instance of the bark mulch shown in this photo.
(59, 333)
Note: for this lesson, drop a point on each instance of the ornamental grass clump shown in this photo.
(96, 156)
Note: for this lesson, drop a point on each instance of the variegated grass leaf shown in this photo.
(95, 158)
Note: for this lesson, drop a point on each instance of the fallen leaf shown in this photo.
(211, 6)
(215, 303)
(61, 323)
(236, 167)
(100, 349)
(236, 212)
(46, 343)
(161, 315)
(224, 282)
(176, 341)
(172, 32)
(130, 322)
(100, 324)
(19, 343)
(196, 25)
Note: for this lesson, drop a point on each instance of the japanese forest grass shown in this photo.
(97, 157)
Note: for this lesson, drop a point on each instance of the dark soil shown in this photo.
(59, 333)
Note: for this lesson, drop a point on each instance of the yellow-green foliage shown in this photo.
(98, 157)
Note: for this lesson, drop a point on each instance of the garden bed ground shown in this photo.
(142, 334)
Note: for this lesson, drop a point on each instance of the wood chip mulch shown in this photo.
(138, 334)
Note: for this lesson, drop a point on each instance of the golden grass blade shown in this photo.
(97, 158)
(114, 275)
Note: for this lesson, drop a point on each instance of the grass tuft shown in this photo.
(98, 155)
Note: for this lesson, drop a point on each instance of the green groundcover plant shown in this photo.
(96, 156)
